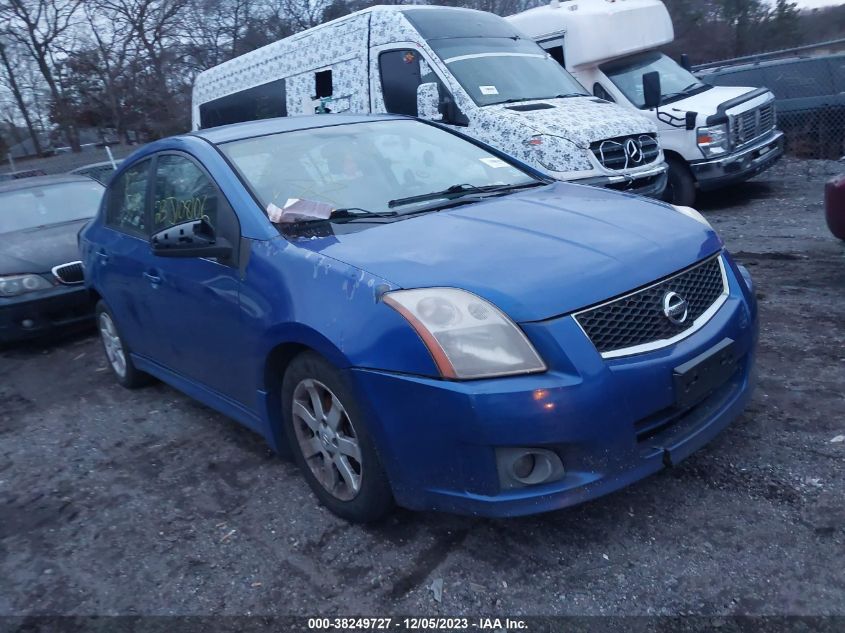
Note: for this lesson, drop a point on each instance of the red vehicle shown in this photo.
(834, 196)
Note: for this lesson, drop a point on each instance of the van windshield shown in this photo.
(503, 70)
(394, 166)
(676, 82)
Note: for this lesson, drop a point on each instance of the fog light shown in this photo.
(524, 466)
(521, 467)
(28, 323)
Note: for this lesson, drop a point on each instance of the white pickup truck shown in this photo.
(711, 136)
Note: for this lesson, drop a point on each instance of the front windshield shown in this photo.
(366, 166)
(499, 70)
(676, 82)
(48, 204)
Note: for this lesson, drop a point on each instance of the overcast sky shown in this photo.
(812, 4)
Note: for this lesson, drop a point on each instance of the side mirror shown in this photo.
(428, 101)
(686, 64)
(190, 239)
(652, 92)
(691, 119)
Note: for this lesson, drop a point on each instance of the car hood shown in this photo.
(537, 254)
(581, 120)
(38, 250)
(707, 103)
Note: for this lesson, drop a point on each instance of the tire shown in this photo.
(116, 351)
(680, 189)
(331, 443)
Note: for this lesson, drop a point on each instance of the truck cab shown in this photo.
(712, 136)
(469, 70)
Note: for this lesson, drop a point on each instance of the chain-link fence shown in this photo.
(809, 87)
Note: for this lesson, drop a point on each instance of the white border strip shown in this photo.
(461, 58)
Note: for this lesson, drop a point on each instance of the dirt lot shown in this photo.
(117, 502)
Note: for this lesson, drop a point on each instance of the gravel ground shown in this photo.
(118, 502)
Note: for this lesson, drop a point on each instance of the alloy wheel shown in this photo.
(112, 344)
(327, 439)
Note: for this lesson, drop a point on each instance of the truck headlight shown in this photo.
(467, 336)
(714, 140)
(14, 285)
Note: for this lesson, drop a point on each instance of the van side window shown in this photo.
(261, 102)
(400, 77)
(182, 193)
(323, 84)
(601, 93)
(557, 54)
(127, 204)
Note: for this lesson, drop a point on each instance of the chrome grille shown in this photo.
(626, 152)
(70, 273)
(624, 325)
(753, 124)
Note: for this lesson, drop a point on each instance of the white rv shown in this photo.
(712, 136)
(467, 69)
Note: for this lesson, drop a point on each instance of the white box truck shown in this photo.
(467, 69)
(712, 136)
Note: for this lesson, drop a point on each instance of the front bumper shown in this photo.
(650, 183)
(37, 313)
(439, 439)
(739, 166)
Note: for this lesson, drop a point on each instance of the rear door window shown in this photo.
(126, 210)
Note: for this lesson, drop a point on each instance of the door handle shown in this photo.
(103, 256)
(152, 278)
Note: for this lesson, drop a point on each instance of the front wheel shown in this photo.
(331, 442)
(680, 188)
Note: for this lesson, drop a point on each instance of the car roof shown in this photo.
(39, 181)
(263, 127)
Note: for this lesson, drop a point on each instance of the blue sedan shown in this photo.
(419, 319)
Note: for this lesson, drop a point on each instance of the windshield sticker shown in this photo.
(493, 162)
(488, 90)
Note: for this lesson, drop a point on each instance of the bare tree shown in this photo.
(302, 14)
(39, 26)
(11, 82)
(159, 29)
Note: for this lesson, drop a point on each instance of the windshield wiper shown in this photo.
(681, 93)
(357, 212)
(570, 95)
(350, 213)
(449, 192)
(458, 195)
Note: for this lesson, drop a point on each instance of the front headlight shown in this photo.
(15, 285)
(467, 336)
(692, 213)
(557, 154)
(714, 140)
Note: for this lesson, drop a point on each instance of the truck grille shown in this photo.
(749, 126)
(621, 326)
(626, 152)
(70, 273)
